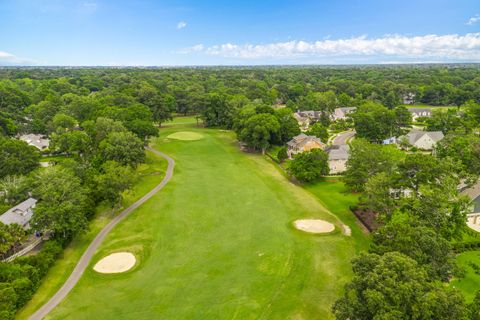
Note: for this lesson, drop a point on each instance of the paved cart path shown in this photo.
(343, 137)
(92, 248)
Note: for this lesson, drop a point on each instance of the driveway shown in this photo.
(343, 138)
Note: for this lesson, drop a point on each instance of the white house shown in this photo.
(302, 143)
(409, 98)
(420, 112)
(424, 140)
(36, 140)
(20, 214)
(337, 158)
(342, 113)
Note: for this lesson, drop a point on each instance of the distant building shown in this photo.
(304, 118)
(303, 121)
(342, 113)
(425, 140)
(473, 218)
(391, 140)
(20, 214)
(36, 140)
(302, 143)
(409, 98)
(420, 112)
(337, 158)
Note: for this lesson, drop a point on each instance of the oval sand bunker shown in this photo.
(185, 135)
(314, 226)
(115, 263)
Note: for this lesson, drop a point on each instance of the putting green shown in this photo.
(217, 243)
(185, 135)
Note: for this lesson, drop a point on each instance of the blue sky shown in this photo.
(141, 32)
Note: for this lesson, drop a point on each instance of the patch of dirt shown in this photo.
(314, 226)
(115, 263)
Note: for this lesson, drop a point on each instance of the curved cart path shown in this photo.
(343, 137)
(92, 248)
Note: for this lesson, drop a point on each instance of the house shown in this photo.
(20, 214)
(337, 158)
(303, 121)
(36, 140)
(473, 193)
(304, 118)
(424, 140)
(408, 98)
(302, 143)
(420, 112)
(342, 113)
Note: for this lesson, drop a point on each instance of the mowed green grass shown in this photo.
(217, 243)
(469, 284)
(151, 173)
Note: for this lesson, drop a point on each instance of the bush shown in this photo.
(282, 154)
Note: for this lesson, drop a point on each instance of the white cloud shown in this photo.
(7, 56)
(450, 47)
(181, 25)
(10, 59)
(473, 20)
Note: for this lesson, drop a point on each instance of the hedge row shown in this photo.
(20, 278)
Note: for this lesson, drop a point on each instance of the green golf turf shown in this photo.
(185, 135)
(470, 262)
(217, 243)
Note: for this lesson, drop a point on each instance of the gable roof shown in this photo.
(302, 139)
(338, 152)
(36, 140)
(20, 214)
(415, 135)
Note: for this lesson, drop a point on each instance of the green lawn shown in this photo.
(470, 284)
(217, 243)
(151, 173)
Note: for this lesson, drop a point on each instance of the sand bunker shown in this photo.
(314, 226)
(185, 135)
(115, 263)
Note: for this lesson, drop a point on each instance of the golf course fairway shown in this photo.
(218, 243)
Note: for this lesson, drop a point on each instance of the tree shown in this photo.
(394, 286)
(407, 235)
(17, 157)
(367, 159)
(288, 125)
(122, 147)
(463, 148)
(113, 180)
(218, 111)
(375, 122)
(378, 195)
(62, 202)
(259, 131)
(309, 166)
(319, 131)
(445, 121)
(13, 189)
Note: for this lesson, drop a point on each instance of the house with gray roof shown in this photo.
(424, 140)
(337, 158)
(20, 214)
(342, 113)
(302, 143)
(36, 140)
